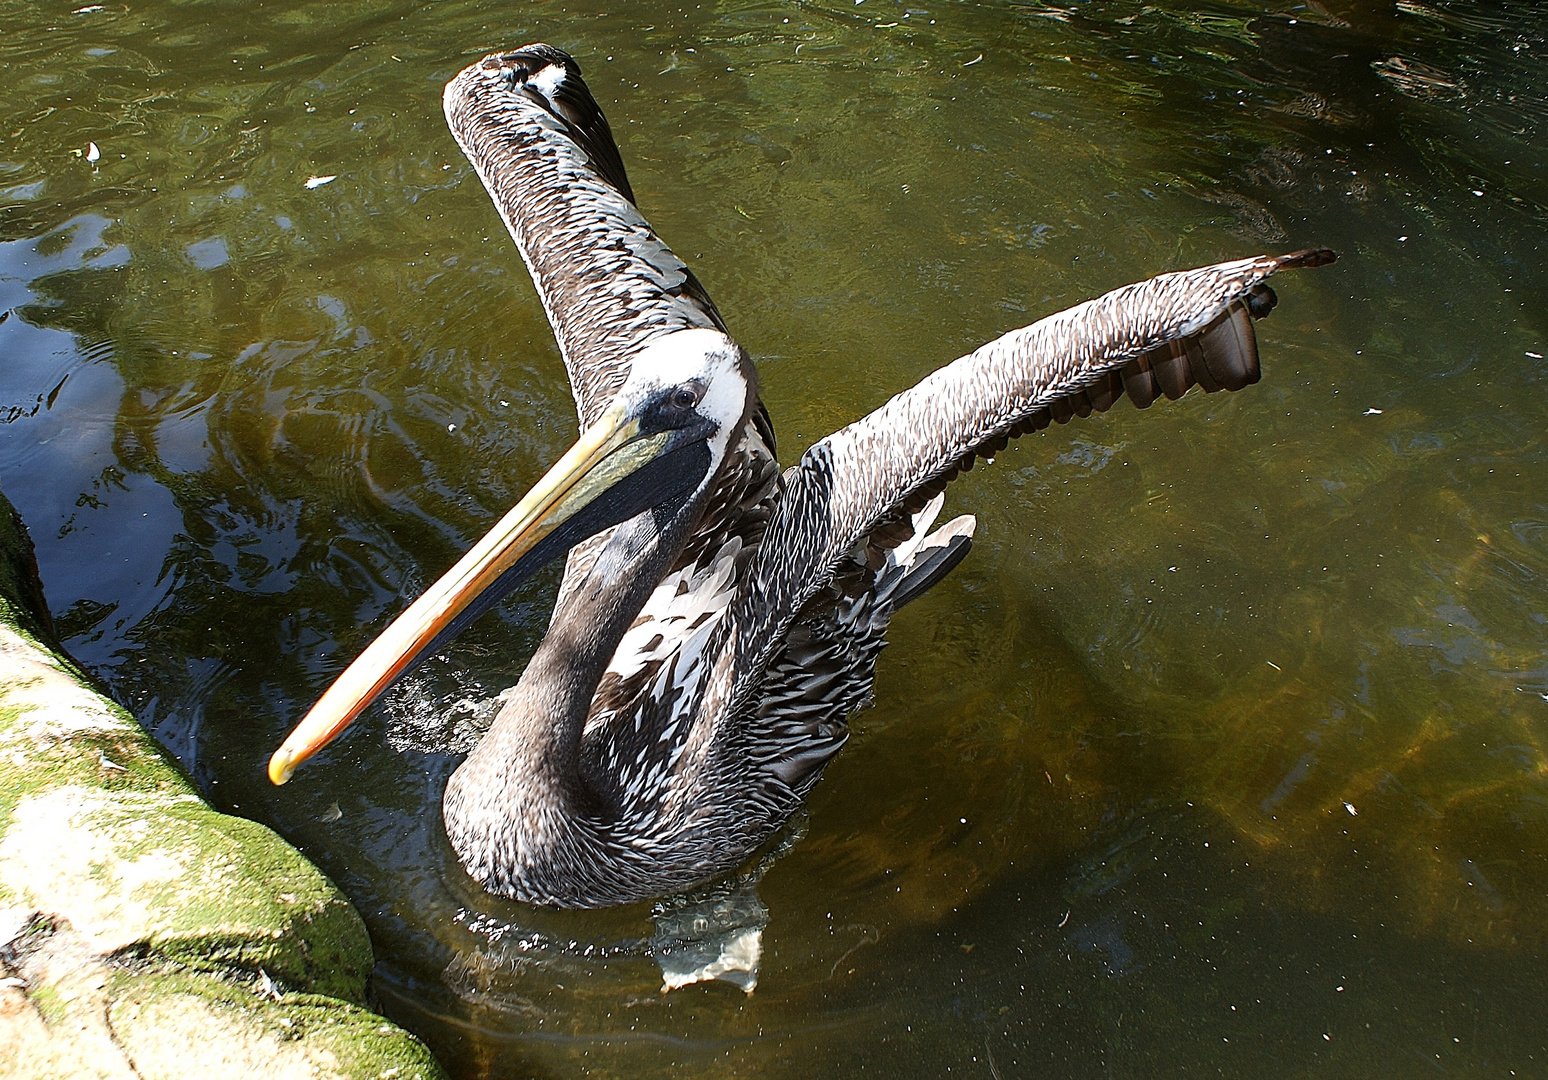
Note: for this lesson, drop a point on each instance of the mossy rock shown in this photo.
(22, 604)
(143, 934)
(148, 873)
(85, 1018)
(182, 1025)
(97, 827)
(56, 729)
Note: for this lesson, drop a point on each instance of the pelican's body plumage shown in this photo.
(718, 620)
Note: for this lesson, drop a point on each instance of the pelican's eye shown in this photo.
(685, 397)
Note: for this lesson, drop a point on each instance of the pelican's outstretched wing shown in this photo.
(542, 147)
(1156, 337)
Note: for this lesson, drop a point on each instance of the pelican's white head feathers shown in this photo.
(698, 369)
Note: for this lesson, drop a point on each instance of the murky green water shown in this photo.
(1227, 749)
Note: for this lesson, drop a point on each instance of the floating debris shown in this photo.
(731, 954)
(1418, 80)
(92, 153)
(318, 181)
(716, 932)
(1314, 106)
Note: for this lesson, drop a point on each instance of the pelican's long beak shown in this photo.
(608, 452)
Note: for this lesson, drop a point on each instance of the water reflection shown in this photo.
(1224, 750)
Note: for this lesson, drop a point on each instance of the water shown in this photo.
(1227, 749)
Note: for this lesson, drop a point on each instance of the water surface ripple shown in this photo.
(1226, 750)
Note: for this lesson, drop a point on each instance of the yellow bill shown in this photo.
(608, 451)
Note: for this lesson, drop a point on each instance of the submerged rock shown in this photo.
(143, 934)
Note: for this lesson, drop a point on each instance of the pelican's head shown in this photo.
(656, 447)
(692, 386)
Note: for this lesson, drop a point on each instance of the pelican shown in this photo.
(718, 619)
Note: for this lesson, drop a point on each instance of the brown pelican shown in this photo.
(717, 620)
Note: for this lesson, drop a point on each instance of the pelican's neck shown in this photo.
(520, 795)
(540, 726)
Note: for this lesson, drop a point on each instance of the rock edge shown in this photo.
(142, 933)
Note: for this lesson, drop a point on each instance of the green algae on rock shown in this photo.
(141, 932)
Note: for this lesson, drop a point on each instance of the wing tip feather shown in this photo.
(1306, 257)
